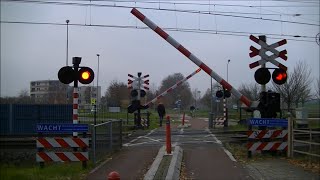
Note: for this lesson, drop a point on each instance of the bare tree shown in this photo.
(23, 97)
(297, 87)
(207, 97)
(251, 91)
(182, 92)
(317, 85)
(116, 93)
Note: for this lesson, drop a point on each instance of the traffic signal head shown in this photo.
(142, 93)
(134, 93)
(219, 94)
(86, 75)
(262, 76)
(279, 76)
(225, 93)
(66, 75)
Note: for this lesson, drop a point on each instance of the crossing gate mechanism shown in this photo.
(190, 56)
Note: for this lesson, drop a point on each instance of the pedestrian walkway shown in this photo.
(279, 169)
(204, 158)
(131, 163)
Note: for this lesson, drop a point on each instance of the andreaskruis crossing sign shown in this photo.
(265, 48)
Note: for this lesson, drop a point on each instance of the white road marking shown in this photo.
(229, 154)
(219, 142)
(181, 130)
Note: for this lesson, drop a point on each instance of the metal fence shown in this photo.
(21, 119)
(306, 141)
(106, 138)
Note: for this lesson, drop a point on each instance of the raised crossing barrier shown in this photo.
(190, 56)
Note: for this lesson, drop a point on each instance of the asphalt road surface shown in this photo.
(204, 156)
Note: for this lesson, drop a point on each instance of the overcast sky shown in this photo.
(32, 52)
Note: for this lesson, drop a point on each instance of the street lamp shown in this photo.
(228, 68)
(67, 53)
(97, 80)
(226, 99)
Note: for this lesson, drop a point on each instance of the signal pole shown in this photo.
(75, 61)
(264, 39)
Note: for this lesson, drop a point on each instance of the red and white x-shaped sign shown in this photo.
(138, 82)
(265, 48)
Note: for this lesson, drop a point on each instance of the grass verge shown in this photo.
(53, 171)
(239, 151)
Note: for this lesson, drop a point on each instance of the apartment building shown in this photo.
(49, 92)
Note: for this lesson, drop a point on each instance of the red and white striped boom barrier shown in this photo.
(190, 56)
(172, 87)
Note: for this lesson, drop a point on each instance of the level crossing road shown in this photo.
(204, 154)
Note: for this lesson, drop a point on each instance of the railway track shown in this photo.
(19, 142)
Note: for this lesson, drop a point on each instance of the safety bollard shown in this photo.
(113, 176)
(168, 135)
(183, 119)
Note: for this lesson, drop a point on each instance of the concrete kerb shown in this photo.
(174, 167)
(175, 164)
(155, 165)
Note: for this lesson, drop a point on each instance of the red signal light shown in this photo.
(279, 76)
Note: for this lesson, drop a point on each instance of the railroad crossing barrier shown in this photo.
(56, 143)
(190, 56)
(269, 139)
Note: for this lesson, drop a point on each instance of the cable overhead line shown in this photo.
(161, 9)
(200, 31)
(196, 2)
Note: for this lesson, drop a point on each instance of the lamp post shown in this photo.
(226, 99)
(97, 80)
(228, 68)
(67, 53)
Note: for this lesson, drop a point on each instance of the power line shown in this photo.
(180, 3)
(163, 9)
(196, 2)
(201, 31)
